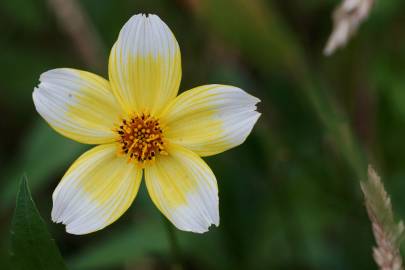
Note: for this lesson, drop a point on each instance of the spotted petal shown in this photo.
(145, 65)
(96, 190)
(184, 189)
(77, 104)
(211, 119)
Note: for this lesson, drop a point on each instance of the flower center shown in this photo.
(141, 138)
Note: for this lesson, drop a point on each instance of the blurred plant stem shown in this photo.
(174, 245)
(264, 39)
(78, 27)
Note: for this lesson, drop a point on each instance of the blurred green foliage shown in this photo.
(289, 196)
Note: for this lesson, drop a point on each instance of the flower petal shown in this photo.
(145, 65)
(96, 190)
(184, 189)
(211, 119)
(77, 104)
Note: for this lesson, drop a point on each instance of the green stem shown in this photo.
(174, 245)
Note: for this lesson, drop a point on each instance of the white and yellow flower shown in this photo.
(140, 126)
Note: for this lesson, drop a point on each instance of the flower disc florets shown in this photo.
(141, 138)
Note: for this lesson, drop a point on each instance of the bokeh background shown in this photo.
(290, 195)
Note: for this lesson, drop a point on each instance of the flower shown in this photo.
(141, 128)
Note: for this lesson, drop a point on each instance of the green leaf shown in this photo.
(32, 245)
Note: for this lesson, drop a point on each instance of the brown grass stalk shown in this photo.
(76, 24)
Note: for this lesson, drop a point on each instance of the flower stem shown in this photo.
(174, 245)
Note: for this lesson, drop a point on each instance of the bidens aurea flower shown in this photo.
(141, 127)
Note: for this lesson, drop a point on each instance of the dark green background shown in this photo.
(289, 196)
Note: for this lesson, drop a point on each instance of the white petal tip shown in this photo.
(68, 228)
(143, 17)
(73, 232)
(55, 218)
(76, 231)
(198, 226)
(257, 100)
(200, 230)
